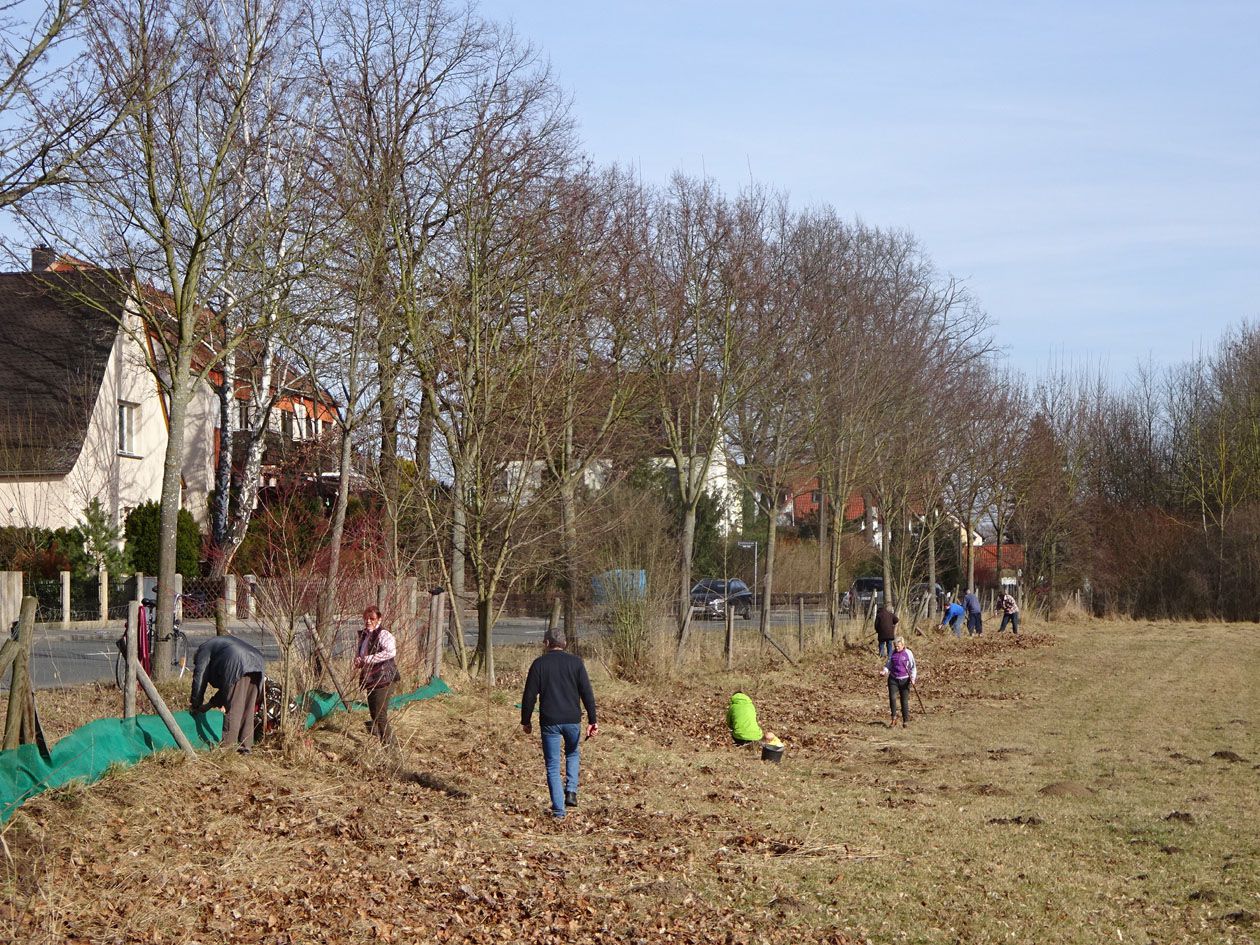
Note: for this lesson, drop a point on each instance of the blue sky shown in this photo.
(1092, 170)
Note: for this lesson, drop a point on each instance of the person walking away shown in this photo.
(376, 660)
(953, 616)
(235, 670)
(885, 629)
(741, 716)
(558, 682)
(1010, 613)
(975, 619)
(902, 673)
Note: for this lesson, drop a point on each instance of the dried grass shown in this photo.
(928, 834)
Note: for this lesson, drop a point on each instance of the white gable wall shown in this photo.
(119, 481)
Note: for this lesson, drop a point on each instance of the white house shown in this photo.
(81, 412)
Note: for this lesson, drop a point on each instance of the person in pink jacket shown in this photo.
(902, 673)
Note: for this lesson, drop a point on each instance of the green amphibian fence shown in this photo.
(87, 752)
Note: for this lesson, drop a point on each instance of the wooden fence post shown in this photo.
(229, 596)
(11, 595)
(408, 600)
(21, 680)
(130, 655)
(65, 599)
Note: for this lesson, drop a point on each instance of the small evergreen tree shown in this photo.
(102, 543)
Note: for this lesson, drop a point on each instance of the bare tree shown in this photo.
(53, 106)
(159, 190)
(477, 329)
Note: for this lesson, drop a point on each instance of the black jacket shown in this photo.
(558, 680)
(885, 625)
(221, 662)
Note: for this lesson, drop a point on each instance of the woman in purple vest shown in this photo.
(901, 673)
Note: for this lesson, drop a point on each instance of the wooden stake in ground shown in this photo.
(730, 639)
(323, 656)
(800, 625)
(130, 646)
(163, 712)
(21, 680)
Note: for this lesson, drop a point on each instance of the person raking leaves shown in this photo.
(558, 682)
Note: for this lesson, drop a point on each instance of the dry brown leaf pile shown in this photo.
(332, 840)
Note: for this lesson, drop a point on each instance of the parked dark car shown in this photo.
(862, 592)
(711, 597)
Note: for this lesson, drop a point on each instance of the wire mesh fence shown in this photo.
(47, 591)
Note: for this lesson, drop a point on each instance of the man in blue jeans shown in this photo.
(558, 682)
(975, 618)
(953, 617)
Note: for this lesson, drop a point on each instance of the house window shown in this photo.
(128, 417)
(242, 420)
(299, 422)
(286, 424)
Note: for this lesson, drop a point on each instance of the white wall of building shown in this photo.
(121, 480)
(102, 471)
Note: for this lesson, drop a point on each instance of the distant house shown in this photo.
(804, 501)
(81, 412)
(986, 558)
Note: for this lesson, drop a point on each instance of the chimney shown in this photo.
(42, 258)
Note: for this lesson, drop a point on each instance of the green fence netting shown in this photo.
(88, 752)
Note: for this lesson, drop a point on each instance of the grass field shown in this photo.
(1095, 783)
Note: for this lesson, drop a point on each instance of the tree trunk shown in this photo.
(767, 579)
(219, 510)
(833, 573)
(387, 373)
(931, 537)
(424, 437)
(459, 555)
(885, 557)
(824, 559)
(172, 479)
(971, 559)
(568, 524)
(328, 599)
(485, 641)
(687, 541)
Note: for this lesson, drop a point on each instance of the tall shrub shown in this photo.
(143, 540)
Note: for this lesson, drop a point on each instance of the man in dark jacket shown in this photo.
(557, 681)
(975, 618)
(885, 629)
(235, 669)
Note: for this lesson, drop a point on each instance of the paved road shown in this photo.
(74, 657)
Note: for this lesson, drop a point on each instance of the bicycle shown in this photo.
(146, 639)
(269, 708)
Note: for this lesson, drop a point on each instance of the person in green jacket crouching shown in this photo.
(741, 716)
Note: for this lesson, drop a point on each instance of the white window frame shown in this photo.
(128, 421)
(299, 421)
